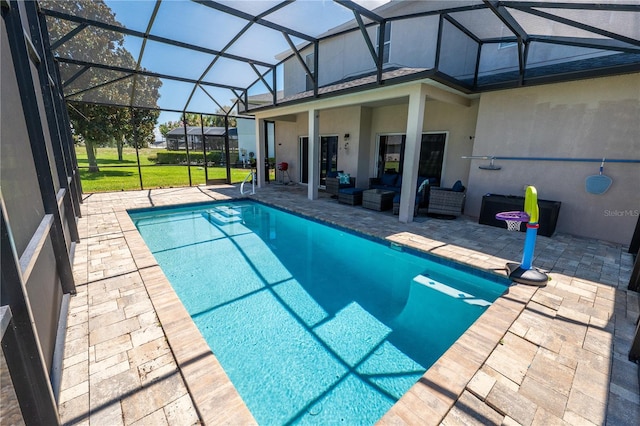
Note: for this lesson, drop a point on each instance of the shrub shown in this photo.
(153, 158)
(180, 157)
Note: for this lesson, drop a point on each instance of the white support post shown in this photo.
(314, 154)
(260, 154)
(415, 119)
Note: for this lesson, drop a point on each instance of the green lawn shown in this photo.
(123, 175)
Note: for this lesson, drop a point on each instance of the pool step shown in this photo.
(223, 215)
(450, 291)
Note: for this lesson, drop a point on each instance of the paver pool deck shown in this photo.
(550, 355)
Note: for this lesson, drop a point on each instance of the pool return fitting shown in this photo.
(524, 273)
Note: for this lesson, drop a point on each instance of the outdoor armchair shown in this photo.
(335, 183)
(447, 201)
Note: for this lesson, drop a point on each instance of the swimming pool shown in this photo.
(312, 324)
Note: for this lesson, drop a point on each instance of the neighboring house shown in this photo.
(439, 110)
(247, 140)
(214, 138)
(242, 139)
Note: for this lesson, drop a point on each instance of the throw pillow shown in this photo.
(344, 178)
(458, 186)
(422, 185)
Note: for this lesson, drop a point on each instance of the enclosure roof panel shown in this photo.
(205, 54)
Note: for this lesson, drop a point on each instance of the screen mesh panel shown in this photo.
(218, 42)
(458, 55)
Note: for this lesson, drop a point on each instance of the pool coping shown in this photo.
(215, 398)
(427, 402)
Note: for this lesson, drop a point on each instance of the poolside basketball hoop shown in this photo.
(525, 273)
(513, 219)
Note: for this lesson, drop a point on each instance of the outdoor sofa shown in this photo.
(393, 182)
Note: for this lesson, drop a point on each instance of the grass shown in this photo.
(115, 175)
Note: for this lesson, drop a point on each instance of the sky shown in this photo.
(195, 24)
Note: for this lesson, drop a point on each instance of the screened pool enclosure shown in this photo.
(231, 59)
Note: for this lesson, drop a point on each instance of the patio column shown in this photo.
(261, 127)
(415, 119)
(314, 154)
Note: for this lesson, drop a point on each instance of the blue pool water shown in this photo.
(313, 324)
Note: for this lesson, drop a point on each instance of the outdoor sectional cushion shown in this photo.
(351, 190)
(421, 193)
(388, 179)
(376, 183)
(387, 182)
(396, 199)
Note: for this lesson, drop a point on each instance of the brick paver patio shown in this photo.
(551, 355)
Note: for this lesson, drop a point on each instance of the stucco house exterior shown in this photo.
(549, 125)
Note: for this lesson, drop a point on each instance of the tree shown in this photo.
(194, 119)
(95, 121)
(219, 119)
(168, 126)
(141, 128)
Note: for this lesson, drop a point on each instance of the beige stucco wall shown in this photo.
(583, 119)
(592, 118)
(366, 138)
(287, 146)
(345, 56)
(364, 125)
(342, 57)
(408, 47)
(333, 122)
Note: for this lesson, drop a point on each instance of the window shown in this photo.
(432, 155)
(507, 34)
(310, 61)
(391, 155)
(506, 44)
(387, 42)
(328, 158)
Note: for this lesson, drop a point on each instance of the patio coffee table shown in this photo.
(377, 199)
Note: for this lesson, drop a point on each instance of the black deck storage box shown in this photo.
(496, 203)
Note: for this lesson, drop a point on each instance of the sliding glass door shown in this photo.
(432, 155)
(391, 154)
(328, 158)
(304, 159)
